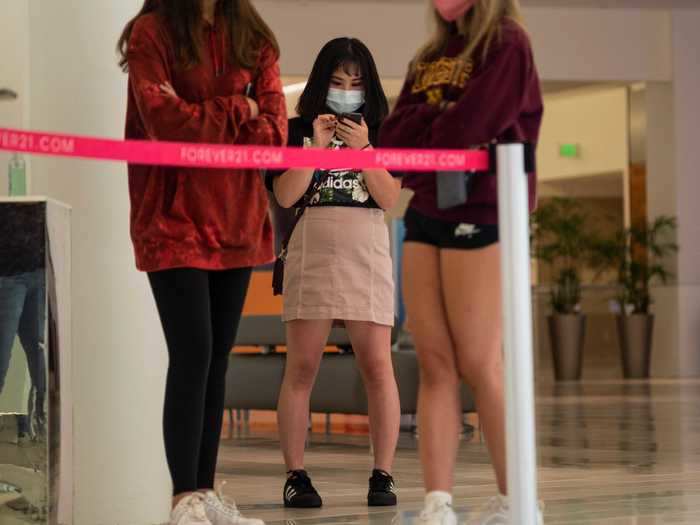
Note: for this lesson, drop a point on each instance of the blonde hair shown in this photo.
(481, 26)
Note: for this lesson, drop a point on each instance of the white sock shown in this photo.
(437, 498)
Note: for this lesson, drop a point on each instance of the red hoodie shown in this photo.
(198, 218)
(498, 99)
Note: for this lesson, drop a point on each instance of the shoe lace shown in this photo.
(382, 482)
(498, 503)
(226, 504)
(196, 507)
(494, 505)
(435, 510)
(301, 480)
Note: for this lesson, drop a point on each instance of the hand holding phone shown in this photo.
(354, 134)
(354, 117)
(324, 129)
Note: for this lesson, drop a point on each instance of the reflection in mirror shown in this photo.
(23, 375)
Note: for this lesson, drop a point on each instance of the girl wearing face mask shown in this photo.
(474, 82)
(338, 265)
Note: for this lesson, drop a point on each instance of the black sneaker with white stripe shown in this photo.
(299, 493)
(381, 490)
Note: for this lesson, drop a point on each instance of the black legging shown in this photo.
(200, 311)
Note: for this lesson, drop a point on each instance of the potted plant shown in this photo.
(637, 255)
(560, 240)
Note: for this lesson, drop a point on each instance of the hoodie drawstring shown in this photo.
(214, 44)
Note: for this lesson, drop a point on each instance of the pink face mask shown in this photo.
(452, 10)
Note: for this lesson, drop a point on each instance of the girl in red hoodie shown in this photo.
(473, 83)
(202, 71)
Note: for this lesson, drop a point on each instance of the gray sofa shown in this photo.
(253, 380)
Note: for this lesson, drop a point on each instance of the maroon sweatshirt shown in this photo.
(497, 99)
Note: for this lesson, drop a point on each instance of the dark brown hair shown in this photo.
(343, 52)
(248, 31)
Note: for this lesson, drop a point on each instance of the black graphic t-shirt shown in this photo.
(342, 187)
(22, 237)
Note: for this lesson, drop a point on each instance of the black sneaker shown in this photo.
(381, 490)
(299, 493)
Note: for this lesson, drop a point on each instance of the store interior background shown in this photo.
(620, 81)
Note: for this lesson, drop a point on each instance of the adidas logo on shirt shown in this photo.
(341, 184)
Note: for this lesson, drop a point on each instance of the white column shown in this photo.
(661, 200)
(119, 358)
(686, 86)
(673, 189)
(517, 334)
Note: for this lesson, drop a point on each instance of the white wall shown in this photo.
(601, 44)
(596, 120)
(14, 71)
(118, 349)
(577, 44)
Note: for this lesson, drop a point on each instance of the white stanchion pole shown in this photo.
(517, 333)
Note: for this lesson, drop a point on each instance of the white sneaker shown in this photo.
(223, 511)
(438, 510)
(190, 511)
(497, 512)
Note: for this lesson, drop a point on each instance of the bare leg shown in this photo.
(439, 417)
(472, 291)
(305, 343)
(372, 346)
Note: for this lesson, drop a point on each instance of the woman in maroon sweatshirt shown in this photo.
(473, 83)
(202, 71)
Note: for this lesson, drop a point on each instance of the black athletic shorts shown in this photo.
(450, 235)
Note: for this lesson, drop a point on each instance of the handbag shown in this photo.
(278, 271)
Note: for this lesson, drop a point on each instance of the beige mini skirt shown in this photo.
(339, 267)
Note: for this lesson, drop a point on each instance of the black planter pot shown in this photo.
(635, 332)
(567, 334)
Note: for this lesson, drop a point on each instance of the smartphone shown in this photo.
(355, 117)
(453, 188)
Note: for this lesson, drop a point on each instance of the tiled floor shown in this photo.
(610, 453)
(20, 466)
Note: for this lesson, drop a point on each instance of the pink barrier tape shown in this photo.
(196, 155)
